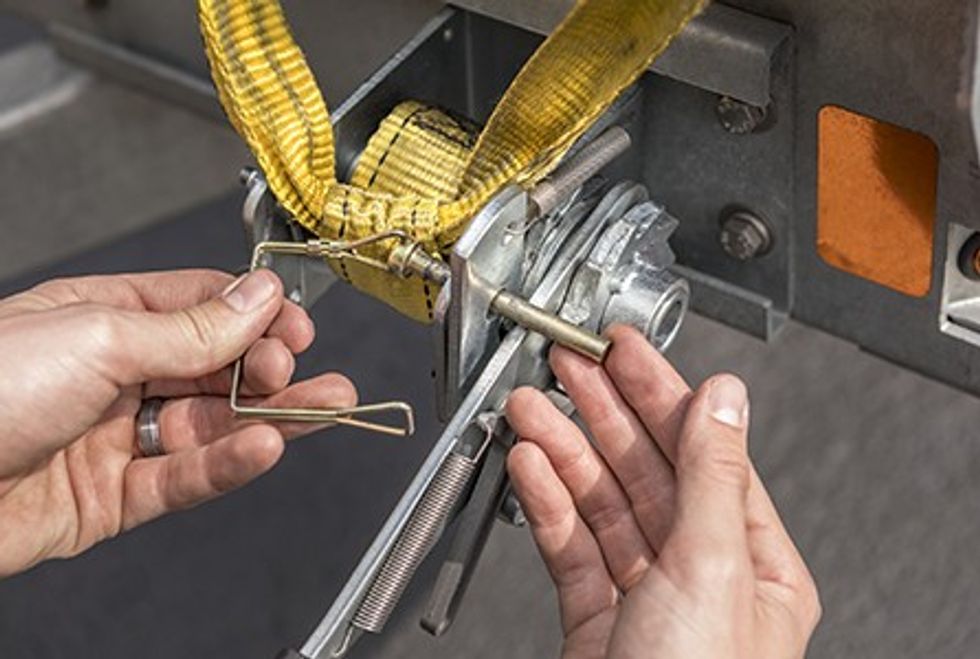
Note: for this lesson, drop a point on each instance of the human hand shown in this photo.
(661, 540)
(79, 356)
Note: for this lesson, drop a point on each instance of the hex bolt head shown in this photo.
(745, 236)
(740, 118)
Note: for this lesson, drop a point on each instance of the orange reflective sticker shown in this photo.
(876, 208)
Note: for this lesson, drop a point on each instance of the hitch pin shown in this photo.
(409, 258)
(338, 250)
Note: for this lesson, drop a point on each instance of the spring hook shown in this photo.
(430, 516)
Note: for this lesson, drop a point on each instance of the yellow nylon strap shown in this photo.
(272, 99)
(419, 151)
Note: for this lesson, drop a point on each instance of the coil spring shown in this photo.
(415, 541)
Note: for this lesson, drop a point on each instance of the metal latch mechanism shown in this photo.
(407, 259)
(558, 263)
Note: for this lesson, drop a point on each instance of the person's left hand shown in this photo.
(79, 356)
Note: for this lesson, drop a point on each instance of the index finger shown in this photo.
(661, 397)
(652, 387)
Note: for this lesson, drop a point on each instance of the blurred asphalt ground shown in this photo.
(874, 468)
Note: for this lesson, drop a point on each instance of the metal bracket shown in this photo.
(724, 50)
(304, 280)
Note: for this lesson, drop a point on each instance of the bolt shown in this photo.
(740, 118)
(745, 236)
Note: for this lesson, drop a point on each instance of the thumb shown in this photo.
(713, 478)
(195, 341)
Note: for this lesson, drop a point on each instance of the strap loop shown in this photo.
(272, 99)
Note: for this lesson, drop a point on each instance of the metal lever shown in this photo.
(474, 523)
(338, 250)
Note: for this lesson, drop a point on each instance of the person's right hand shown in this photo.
(661, 540)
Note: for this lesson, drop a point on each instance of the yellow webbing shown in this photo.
(434, 183)
(417, 150)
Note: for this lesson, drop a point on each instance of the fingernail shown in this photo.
(728, 401)
(250, 291)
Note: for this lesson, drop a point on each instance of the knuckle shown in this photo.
(198, 330)
(811, 605)
(53, 287)
(578, 576)
(104, 338)
(608, 515)
(572, 463)
(103, 326)
(804, 604)
(546, 518)
(722, 462)
(651, 492)
(56, 292)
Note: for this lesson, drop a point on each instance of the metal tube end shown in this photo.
(582, 341)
